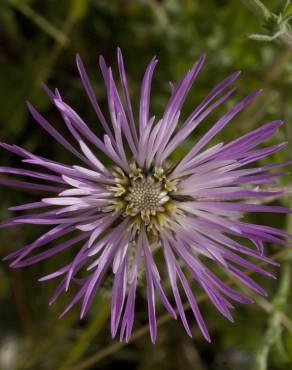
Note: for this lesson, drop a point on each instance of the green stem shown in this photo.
(262, 12)
(40, 21)
(274, 328)
(258, 8)
(87, 335)
(114, 347)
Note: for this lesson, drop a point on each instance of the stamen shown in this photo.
(145, 197)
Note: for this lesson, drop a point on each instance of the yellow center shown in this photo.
(145, 197)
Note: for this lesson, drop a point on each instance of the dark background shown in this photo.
(38, 43)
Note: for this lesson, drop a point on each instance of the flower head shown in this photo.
(141, 205)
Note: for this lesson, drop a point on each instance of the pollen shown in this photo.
(145, 196)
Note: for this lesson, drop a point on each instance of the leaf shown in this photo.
(288, 11)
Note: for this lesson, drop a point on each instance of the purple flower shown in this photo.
(122, 217)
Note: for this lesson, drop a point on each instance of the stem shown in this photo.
(40, 21)
(139, 333)
(258, 8)
(274, 328)
(85, 338)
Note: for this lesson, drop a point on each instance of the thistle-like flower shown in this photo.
(141, 207)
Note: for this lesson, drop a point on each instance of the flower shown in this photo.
(142, 207)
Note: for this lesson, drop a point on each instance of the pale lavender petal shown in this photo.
(145, 95)
(124, 83)
(89, 90)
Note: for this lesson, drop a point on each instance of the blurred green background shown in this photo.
(38, 43)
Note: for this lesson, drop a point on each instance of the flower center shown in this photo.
(145, 197)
